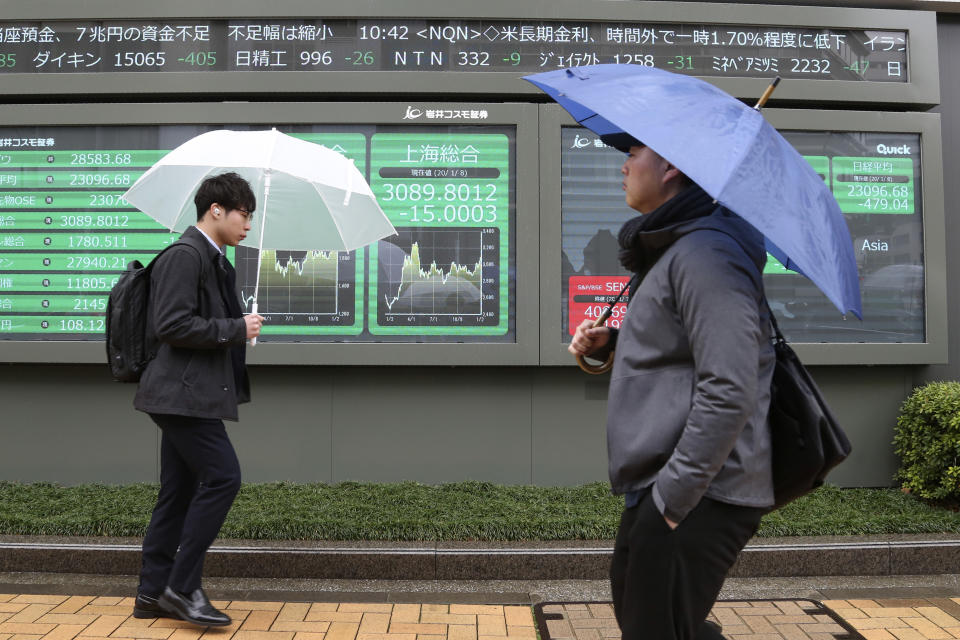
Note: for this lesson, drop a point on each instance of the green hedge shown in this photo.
(928, 442)
(460, 511)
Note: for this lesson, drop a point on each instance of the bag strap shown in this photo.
(773, 318)
(150, 264)
(182, 243)
(773, 321)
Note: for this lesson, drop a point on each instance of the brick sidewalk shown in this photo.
(51, 617)
(916, 619)
(35, 617)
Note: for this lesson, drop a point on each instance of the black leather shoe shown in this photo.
(714, 625)
(146, 607)
(193, 607)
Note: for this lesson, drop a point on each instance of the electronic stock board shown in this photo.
(454, 178)
(884, 173)
(66, 232)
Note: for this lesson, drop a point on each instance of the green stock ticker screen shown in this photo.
(66, 234)
(876, 179)
(449, 198)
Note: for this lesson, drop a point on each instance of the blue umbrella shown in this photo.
(728, 149)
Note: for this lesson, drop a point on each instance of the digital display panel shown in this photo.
(876, 179)
(66, 233)
(719, 50)
(448, 197)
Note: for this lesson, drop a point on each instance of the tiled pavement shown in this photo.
(51, 617)
(897, 619)
(61, 617)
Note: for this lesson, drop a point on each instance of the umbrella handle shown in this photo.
(766, 94)
(253, 309)
(597, 369)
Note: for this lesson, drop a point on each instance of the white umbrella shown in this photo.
(315, 198)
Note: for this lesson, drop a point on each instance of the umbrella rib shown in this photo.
(183, 203)
(743, 145)
(263, 219)
(333, 218)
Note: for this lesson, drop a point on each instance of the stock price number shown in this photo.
(90, 263)
(642, 59)
(90, 304)
(89, 221)
(315, 58)
(473, 59)
(107, 200)
(140, 59)
(594, 311)
(100, 159)
(8, 60)
(427, 191)
(100, 179)
(80, 324)
(809, 65)
(98, 242)
(91, 283)
(877, 191)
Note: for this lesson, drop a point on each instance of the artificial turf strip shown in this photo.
(459, 511)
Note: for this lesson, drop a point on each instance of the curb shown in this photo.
(449, 561)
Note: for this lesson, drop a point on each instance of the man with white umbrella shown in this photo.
(196, 380)
(686, 424)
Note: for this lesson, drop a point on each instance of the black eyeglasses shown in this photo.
(246, 214)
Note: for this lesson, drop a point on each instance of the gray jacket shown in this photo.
(690, 386)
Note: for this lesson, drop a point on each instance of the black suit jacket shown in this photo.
(193, 331)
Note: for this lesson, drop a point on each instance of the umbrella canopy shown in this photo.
(728, 149)
(309, 197)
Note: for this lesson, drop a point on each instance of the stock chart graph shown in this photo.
(439, 277)
(300, 288)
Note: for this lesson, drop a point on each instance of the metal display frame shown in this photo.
(524, 351)
(927, 125)
(922, 90)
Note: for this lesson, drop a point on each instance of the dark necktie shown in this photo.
(228, 289)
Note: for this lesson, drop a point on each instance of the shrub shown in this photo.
(928, 441)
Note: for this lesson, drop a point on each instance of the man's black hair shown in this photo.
(227, 189)
(620, 141)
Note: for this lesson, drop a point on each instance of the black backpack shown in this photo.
(126, 322)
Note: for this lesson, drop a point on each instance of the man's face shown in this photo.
(645, 179)
(232, 225)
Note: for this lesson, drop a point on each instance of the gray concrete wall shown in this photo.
(545, 426)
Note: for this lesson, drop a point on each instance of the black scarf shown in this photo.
(644, 238)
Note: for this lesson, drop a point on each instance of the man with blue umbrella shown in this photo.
(689, 447)
(686, 428)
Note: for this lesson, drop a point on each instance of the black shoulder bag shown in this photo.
(806, 439)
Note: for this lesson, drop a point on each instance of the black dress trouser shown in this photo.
(199, 478)
(665, 581)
